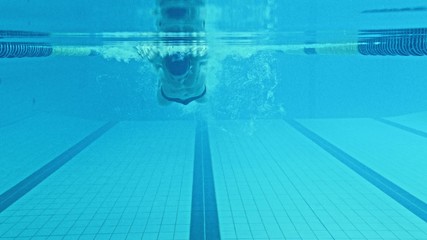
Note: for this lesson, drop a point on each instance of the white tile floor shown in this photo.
(135, 182)
(416, 120)
(398, 155)
(28, 145)
(276, 184)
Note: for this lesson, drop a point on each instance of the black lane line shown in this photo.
(406, 199)
(30, 182)
(402, 127)
(204, 213)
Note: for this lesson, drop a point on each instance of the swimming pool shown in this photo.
(312, 122)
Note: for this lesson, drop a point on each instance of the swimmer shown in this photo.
(182, 66)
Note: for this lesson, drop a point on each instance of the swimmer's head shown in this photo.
(178, 65)
(182, 79)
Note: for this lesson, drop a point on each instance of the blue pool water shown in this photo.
(312, 125)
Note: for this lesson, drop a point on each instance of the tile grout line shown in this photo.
(204, 213)
(404, 198)
(26, 185)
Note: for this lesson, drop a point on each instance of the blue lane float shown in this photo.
(21, 50)
(375, 42)
(394, 42)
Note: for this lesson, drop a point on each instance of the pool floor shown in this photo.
(68, 178)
